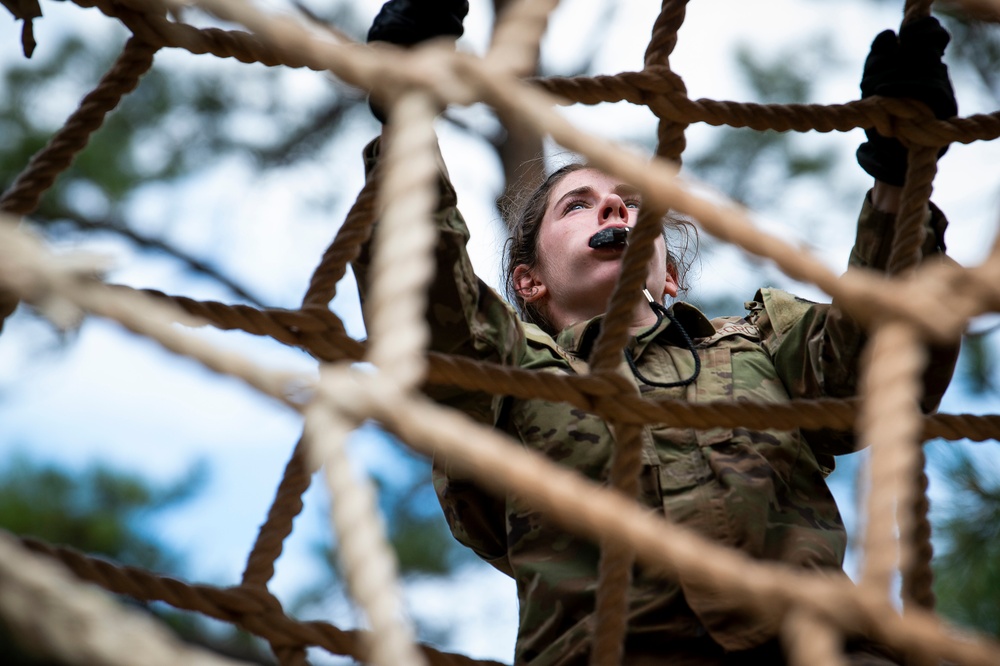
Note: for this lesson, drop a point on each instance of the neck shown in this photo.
(640, 316)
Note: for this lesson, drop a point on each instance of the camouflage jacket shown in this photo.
(762, 492)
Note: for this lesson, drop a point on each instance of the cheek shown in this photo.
(549, 251)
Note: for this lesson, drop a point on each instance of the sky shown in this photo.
(112, 397)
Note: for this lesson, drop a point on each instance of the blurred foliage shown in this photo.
(97, 510)
(109, 513)
(175, 124)
(744, 163)
(967, 572)
(975, 45)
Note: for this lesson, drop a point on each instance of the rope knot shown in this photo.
(665, 80)
(607, 402)
(902, 119)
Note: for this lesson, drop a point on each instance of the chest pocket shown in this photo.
(722, 378)
(733, 367)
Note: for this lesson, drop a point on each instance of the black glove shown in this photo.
(908, 67)
(409, 22)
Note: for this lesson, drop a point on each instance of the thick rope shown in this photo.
(910, 230)
(808, 641)
(58, 615)
(917, 573)
(627, 294)
(22, 197)
(286, 507)
(517, 36)
(617, 559)
(403, 262)
(918, 578)
(346, 246)
(670, 141)
(615, 567)
(368, 563)
(915, 9)
(664, 36)
(119, 295)
(251, 609)
(889, 424)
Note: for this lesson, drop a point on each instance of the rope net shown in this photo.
(904, 312)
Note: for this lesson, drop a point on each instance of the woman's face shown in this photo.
(572, 281)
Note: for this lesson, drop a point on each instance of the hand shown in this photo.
(907, 67)
(409, 22)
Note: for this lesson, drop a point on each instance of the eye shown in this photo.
(575, 205)
(633, 203)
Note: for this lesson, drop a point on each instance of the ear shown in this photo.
(527, 284)
(671, 284)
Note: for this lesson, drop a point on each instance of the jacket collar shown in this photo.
(579, 338)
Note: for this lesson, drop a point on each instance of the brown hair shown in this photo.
(524, 220)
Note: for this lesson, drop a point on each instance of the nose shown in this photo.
(614, 207)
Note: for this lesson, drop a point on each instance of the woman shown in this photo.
(762, 492)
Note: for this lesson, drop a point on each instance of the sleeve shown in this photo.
(469, 319)
(815, 347)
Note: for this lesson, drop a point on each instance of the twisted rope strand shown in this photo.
(918, 578)
(403, 262)
(808, 641)
(517, 36)
(42, 602)
(366, 558)
(910, 232)
(252, 609)
(670, 141)
(607, 354)
(590, 393)
(889, 423)
(615, 566)
(346, 246)
(22, 197)
(286, 507)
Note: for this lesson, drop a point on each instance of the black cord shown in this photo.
(660, 312)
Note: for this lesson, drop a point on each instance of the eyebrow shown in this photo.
(621, 190)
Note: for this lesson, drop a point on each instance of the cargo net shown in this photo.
(41, 590)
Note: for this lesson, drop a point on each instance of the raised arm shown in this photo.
(815, 347)
(466, 317)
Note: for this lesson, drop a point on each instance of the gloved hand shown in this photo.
(907, 67)
(409, 22)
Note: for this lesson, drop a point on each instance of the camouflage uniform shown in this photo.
(762, 492)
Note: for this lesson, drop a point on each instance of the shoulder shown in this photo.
(542, 351)
(776, 313)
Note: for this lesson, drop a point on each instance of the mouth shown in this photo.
(610, 238)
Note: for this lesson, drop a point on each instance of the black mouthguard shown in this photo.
(610, 237)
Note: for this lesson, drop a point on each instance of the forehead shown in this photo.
(596, 180)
